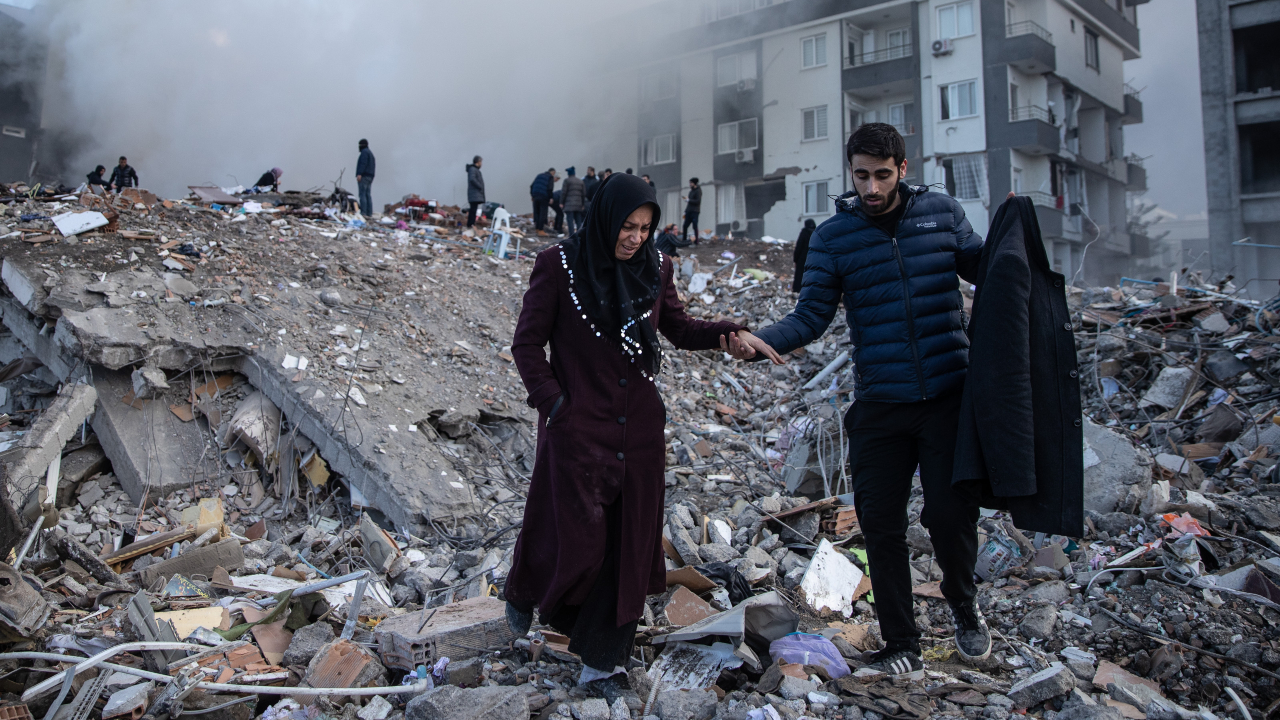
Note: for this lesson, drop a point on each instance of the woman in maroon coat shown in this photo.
(590, 549)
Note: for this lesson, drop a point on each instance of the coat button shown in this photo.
(622, 382)
(622, 421)
(1066, 326)
(1073, 373)
(1057, 283)
(1077, 423)
(620, 457)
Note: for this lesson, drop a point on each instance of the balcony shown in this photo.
(1132, 107)
(892, 70)
(1028, 47)
(1136, 174)
(1031, 130)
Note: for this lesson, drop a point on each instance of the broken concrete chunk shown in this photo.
(1169, 388)
(458, 631)
(22, 610)
(685, 545)
(149, 382)
(256, 423)
(483, 703)
(200, 561)
(1051, 682)
(306, 643)
(1112, 465)
(1039, 623)
(344, 664)
(685, 704)
(685, 608)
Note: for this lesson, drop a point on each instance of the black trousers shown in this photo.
(690, 218)
(540, 213)
(887, 441)
(471, 213)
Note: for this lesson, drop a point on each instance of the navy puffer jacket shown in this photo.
(901, 296)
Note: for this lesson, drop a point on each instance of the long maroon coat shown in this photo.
(606, 442)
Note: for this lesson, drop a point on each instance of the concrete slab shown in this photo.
(45, 439)
(148, 446)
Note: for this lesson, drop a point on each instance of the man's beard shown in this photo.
(888, 200)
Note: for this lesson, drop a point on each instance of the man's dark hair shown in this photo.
(646, 177)
(476, 159)
(551, 170)
(608, 170)
(879, 140)
(364, 143)
(693, 180)
(100, 168)
(124, 158)
(629, 171)
(590, 169)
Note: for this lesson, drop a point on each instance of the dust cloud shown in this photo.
(218, 93)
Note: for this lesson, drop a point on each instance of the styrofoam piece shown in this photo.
(74, 223)
(831, 580)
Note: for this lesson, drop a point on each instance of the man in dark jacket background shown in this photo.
(691, 210)
(590, 183)
(123, 176)
(365, 168)
(573, 198)
(893, 251)
(95, 177)
(475, 189)
(540, 192)
(801, 252)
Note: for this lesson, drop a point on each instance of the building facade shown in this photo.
(756, 99)
(21, 80)
(1240, 100)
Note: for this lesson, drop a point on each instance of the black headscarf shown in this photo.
(618, 296)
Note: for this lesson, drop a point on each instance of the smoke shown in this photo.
(218, 93)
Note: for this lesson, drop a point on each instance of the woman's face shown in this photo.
(634, 232)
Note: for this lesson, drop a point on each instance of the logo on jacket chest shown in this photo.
(930, 224)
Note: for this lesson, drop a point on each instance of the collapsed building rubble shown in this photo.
(267, 460)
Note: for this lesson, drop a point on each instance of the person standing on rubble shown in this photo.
(692, 209)
(540, 192)
(123, 176)
(893, 251)
(801, 252)
(365, 168)
(590, 549)
(475, 189)
(573, 198)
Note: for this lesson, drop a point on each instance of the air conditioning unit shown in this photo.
(747, 85)
(737, 225)
(745, 156)
(941, 47)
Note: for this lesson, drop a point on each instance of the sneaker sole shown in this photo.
(913, 675)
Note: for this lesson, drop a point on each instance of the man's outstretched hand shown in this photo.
(744, 346)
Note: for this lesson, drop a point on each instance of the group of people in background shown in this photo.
(122, 176)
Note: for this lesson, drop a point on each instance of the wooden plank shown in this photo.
(200, 561)
(150, 544)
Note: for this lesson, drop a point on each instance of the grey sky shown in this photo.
(1171, 136)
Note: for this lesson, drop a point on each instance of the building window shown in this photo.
(729, 8)
(1091, 49)
(814, 51)
(966, 176)
(815, 123)
(899, 42)
(900, 117)
(660, 150)
(658, 86)
(955, 20)
(816, 199)
(731, 203)
(740, 135)
(732, 69)
(959, 100)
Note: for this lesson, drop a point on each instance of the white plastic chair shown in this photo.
(500, 238)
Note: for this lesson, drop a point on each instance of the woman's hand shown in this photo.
(742, 345)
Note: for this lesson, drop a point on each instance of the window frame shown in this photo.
(1092, 49)
(738, 58)
(904, 48)
(820, 198)
(826, 124)
(946, 101)
(649, 152)
(814, 39)
(738, 134)
(657, 78)
(955, 25)
(908, 108)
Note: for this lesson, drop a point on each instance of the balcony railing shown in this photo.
(878, 56)
(1026, 27)
(905, 129)
(1044, 199)
(1135, 160)
(1131, 90)
(1030, 112)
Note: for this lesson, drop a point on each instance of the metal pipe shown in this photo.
(123, 669)
(17, 564)
(416, 688)
(101, 657)
(827, 371)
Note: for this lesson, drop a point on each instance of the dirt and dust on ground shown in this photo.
(265, 458)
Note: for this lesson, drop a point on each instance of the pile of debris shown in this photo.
(267, 459)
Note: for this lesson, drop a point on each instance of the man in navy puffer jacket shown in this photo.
(893, 252)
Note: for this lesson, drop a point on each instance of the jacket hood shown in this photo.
(850, 200)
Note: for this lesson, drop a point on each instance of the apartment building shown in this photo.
(21, 69)
(1240, 100)
(756, 98)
